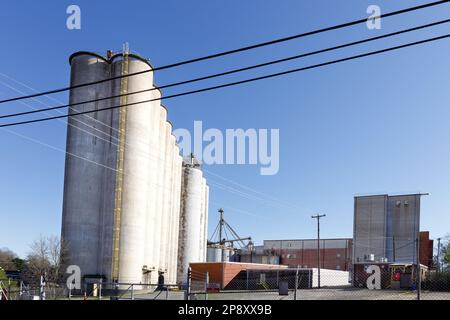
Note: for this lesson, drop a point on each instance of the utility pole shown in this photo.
(439, 255)
(317, 216)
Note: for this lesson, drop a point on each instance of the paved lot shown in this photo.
(349, 293)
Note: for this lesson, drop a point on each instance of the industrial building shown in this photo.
(226, 274)
(386, 230)
(258, 276)
(386, 234)
(131, 209)
(335, 254)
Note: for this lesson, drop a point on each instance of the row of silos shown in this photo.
(122, 194)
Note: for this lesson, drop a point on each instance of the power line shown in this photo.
(64, 122)
(232, 71)
(53, 99)
(292, 206)
(155, 184)
(242, 194)
(230, 84)
(145, 154)
(224, 53)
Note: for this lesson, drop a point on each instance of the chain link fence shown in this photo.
(368, 282)
(364, 282)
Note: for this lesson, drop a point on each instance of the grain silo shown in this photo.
(193, 209)
(150, 266)
(121, 210)
(82, 225)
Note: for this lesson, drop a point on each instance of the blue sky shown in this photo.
(376, 125)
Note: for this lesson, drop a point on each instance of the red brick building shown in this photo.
(426, 249)
(222, 273)
(335, 254)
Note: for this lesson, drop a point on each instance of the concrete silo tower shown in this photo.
(193, 218)
(122, 192)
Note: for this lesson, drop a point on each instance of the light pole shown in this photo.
(317, 216)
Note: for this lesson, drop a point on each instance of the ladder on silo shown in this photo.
(120, 165)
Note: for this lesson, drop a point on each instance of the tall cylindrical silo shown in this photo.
(165, 219)
(170, 210)
(84, 180)
(121, 216)
(134, 189)
(175, 212)
(191, 210)
(160, 189)
(204, 222)
(154, 158)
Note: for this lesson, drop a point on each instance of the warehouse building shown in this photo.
(386, 230)
(335, 254)
(386, 234)
(131, 210)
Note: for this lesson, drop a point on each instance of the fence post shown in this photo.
(418, 271)
(278, 278)
(206, 285)
(132, 291)
(296, 284)
(188, 284)
(42, 288)
(247, 279)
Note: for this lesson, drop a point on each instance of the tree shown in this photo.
(19, 264)
(45, 258)
(446, 253)
(6, 259)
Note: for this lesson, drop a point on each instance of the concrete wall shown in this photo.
(330, 278)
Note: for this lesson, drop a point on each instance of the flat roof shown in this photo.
(310, 239)
(391, 195)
